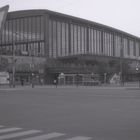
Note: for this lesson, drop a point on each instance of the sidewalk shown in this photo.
(134, 86)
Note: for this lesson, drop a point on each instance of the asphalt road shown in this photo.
(97, 114)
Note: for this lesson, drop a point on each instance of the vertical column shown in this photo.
(87, 44)
(77, 49)
(69, 32)
(122, 47)
(139, 49)
(65, 38)
(134, 51)
(61, 39)
(121, 61)
(102, 49)
(113, 45)
(46, 34)
(56, 40)
(81, 44)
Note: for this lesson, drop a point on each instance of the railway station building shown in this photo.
(50, 45)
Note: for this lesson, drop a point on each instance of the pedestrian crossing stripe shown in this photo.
(79, 138)
(20, 133)
(9, 130)
(46, 136)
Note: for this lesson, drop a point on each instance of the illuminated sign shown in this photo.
(3, 14)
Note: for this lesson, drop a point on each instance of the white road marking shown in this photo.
(46, 136)
(9, 129)
(30, 132)
(79, 138)
(18, 134)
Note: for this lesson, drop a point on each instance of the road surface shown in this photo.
(69, 113)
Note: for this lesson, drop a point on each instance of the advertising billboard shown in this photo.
(4, 78)
(3, 14)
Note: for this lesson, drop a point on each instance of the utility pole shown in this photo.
(121, 63)
(32, 69)
(138, 73)
(13, 66)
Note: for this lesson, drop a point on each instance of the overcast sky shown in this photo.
(121, 14)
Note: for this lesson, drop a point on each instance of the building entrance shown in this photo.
(79, 79)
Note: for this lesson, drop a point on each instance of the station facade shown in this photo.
(51, 45)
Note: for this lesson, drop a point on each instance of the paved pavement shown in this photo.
(70, 113)
(129, 85)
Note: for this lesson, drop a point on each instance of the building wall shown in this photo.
(27, 34)
(44, 33)
(23, 39)
(68, 37)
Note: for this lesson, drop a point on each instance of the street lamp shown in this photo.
(32, 74)
(13, 65)
(105, 78)
(32, 80)
(137, 72)
(121, 63)
(32, 66)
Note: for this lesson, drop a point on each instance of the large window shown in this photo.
(78, 39)
(24, 49)
(125, 46)
(117, 45)
(131, 48)
(137, 48)
(92, 41)
(23, 32)
(23, 29)
(108, 45)
(58, 38)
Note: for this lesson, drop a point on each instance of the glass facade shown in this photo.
(45, 34)
(108, 46)
(64, 37)
(71, 38)
(58, 38)
(94, 41)
(137, 49)
(78, 42)
(25, 34)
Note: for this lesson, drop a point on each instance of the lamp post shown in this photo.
(32, 69)
(121, 63)
(32, 80)
(105, 78)
(137, 72)
(13, 66)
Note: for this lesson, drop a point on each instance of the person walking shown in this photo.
(55, 83)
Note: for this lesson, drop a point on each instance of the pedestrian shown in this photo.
(55, 83)
(41, 82)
